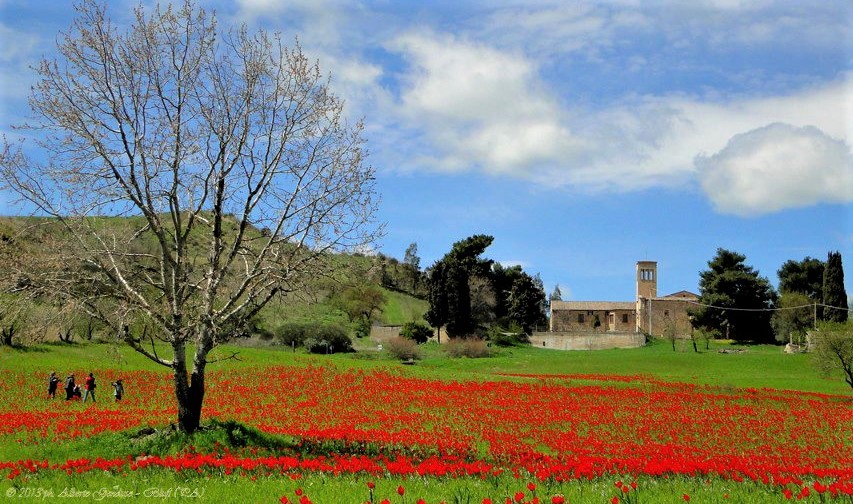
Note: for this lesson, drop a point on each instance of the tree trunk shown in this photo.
(189, 391)
(8, 333)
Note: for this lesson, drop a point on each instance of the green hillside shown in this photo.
(29, 244)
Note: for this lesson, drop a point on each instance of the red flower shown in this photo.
(284, 500)
(298, 491)
(421, 501)
(614, 500)
(788, 493)
(531, 486)
(401, 490)
(371, 485)
(558, 499)
(686, 498)
(487, 501)
(519, 496)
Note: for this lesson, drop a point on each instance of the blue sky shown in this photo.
(583, 136)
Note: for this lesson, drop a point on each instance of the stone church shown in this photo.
(647, 314)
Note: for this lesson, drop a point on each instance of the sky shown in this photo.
(583, 136)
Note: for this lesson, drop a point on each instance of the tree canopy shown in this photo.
(736, 301)
(834, 294)
(805, 277)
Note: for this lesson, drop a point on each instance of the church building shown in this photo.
(647, 314)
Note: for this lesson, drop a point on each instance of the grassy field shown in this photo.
(108, 430)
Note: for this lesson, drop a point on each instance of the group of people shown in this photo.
(72, 388)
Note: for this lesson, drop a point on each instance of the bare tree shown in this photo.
(200, 139)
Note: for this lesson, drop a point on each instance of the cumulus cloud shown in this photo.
(480, 106)
(775, 167)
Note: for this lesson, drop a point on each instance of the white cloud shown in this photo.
(466, 105)
(775, 167)
(480, 106)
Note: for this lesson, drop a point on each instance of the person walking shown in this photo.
(119, 389)
(69, 387)
(90, 388)
(52, 383)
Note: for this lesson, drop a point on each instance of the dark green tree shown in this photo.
(436, 315)
(834, 294)
(736, 299)
(412, 265)
(459, 320)
(526, 301)
(556, 294)
(502, 279)
(449, 289)
(804, 277)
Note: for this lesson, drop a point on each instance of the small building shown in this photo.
(647, 314)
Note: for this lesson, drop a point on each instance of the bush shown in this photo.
(419, 333)
(361, 327)
(505, 337)
(291, 334)
(403, 349)
(471, 348)
(315, 337)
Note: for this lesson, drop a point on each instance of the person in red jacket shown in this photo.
(90, 388)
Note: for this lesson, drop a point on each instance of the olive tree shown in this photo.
(833, 348)
(228, 158)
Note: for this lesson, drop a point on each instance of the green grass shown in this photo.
(758, 366)
(401, 308)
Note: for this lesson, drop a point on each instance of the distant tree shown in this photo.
(834, 293)
(793, 317)
(833, 349)
(412, 264)
(736, 300)
(362, 300)
(556, 294)
(201, 137)
(484, 300)
(502, 278)
(449, 289)
(804, 277)
(526, 300)
(459, 321)
(436, 315)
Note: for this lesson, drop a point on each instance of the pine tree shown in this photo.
(834, 293)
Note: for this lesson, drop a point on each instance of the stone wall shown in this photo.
(665, 313)
(584, 320)
(381, 334)
(587, 340)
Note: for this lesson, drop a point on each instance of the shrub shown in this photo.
(315, 337)
(504, 337)
(327, 338)
(419, 333)
(291, 334)
(403, 349)
(361, 327)
(471, 348)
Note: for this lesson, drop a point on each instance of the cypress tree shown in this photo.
(834, 293)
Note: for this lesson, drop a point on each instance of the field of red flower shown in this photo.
(543, 428)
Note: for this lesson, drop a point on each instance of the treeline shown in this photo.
(737, 303)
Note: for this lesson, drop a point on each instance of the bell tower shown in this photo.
(647, 279)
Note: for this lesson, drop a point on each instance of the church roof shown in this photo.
(593, 305)
(681, 295)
